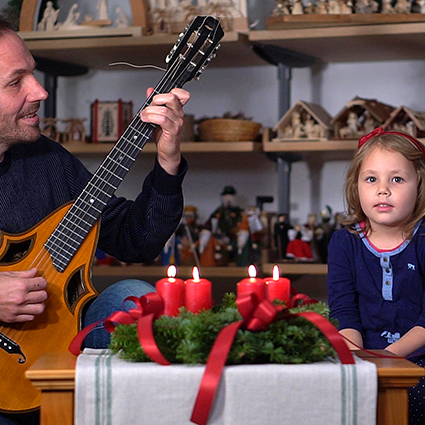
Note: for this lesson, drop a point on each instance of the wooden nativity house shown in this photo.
(358, 117)
(304, 121)
(407, 120)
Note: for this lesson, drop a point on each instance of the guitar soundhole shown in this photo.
(15, 251)
(74, 289)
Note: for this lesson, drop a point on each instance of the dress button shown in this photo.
(387, 282)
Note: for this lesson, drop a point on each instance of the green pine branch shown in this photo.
(188, 338)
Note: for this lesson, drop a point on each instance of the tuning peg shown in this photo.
(176, 44)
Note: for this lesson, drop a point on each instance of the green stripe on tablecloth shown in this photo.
(109, 390)
(343, 396)
(349, 395)
(102, 384)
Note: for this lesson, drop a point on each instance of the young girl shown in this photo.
(376, 264)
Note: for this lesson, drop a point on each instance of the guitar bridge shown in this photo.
(11, 347)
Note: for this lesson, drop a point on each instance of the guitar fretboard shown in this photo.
(195, 47)
(86, 210)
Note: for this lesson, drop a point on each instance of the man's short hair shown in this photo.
(5, 26)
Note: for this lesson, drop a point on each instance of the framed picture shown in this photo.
(109, 119)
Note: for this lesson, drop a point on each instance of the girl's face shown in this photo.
(387, 188)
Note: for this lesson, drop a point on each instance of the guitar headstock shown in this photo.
(195, 48)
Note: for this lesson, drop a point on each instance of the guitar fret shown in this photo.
(85, 212)
(109, 184)
(120, 152)
(111, 173)
(103, 192)
(118, 163)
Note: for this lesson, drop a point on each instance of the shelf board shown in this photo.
(295, 268)
(319, 150)
(100, 52)
(183, 272)
(351, 43)
(319, 146)
(377, 40)
(95, 149)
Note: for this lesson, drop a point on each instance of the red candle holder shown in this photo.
(172, 292)
(252, 284)
(278, 288)
(198, 293)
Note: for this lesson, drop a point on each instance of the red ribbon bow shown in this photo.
(257, 315)
(148, 308)
(377, 132)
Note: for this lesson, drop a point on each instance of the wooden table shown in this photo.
(54, 375)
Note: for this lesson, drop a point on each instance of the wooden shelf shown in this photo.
(304, 149)
(183, 272)
(99, 52)
(399, 40)
(351, 43)
(95, 149)
(295, 268)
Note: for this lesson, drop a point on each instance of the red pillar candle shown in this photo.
(252, 284)
(198, 293)
(278, 288)
(172, 291)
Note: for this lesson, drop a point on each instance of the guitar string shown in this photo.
(42, 260)
(99, 188)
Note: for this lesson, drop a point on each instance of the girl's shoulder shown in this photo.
(343, 235)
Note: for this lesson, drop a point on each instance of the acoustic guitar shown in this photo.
(62, 246)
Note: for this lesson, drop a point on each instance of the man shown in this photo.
(37, 176)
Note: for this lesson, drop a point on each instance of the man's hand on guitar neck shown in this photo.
(166, 111)
(22, 295)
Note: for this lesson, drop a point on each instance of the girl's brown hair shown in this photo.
(393, 143)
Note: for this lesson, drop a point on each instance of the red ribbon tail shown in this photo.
(373, 353)
(212, 374)
(77, 342)
(147, 339)
(331, 332)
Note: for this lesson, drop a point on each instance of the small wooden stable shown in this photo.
(407, 120)
(304, 121)
(360, 116)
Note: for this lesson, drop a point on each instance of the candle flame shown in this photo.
(276, 272)
(172, 271)
(252, 271)
(195, 274)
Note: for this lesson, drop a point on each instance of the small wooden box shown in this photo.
(109, 119)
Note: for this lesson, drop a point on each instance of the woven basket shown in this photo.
(228, 130)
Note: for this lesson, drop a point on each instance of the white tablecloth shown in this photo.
(111, 391)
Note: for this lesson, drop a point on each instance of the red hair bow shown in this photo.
(379, 131)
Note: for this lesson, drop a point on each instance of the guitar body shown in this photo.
(68, 292)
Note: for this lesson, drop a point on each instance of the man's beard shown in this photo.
(29, 135)
(19, 133)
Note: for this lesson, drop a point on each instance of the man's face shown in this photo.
(20, 93)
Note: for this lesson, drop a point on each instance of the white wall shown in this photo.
(253, 91)
(213, 95)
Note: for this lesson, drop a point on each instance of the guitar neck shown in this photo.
(194, 49)
(87, 208)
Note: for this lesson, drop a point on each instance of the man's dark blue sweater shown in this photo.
(37, 178)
